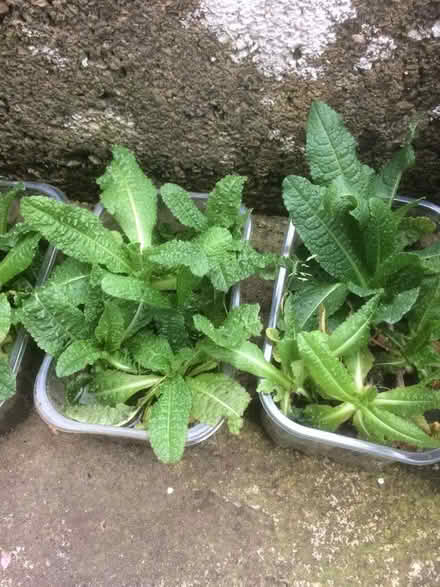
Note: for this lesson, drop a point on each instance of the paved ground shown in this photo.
(82, 512)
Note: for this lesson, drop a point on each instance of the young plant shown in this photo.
(121, 306)
(327, 374)
(19, 264)
(357, 245)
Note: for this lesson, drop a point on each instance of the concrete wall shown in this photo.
(201, 88)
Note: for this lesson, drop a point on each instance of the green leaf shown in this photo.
(275, 389)
(325, 369)
(236, 266)
(175, 253)
(51, 322)
(69, 281)
(423, 314)
(408, 401)
(152, 352)
(129, 196)
(111, 327)
(19, 258)
(331, 149)
(120, 415)
(186, 283)
(412, 229)
(396, 264)
(5, 317)
(112, 387)
(387, 181)
(240, 324)
(287, 353)
(328, 417)
(136, 316)
(216, 242)
(75, 231)
(385, 427)
(77, 356)
(393, 311)
(249, 358)
(359, 364)
(130, 288)
(430, 256)
(223, 206)
(171, 325)
(7, 381)
(330, 238)
(168, 422)
(6, 199)
(301, 309)
(354, 332)
(182, 207)
(216, 396)
(15, 234)
(379, 234)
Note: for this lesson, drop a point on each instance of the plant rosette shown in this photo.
(124, 313)
(25, 262)
(356, 346)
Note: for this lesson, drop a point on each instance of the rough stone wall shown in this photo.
(201, 88)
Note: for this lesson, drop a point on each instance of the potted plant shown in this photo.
(356, 352)
(118, 313)
(25, 263)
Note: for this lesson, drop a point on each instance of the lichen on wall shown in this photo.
(279, 37)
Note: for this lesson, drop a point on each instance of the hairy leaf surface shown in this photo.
(7, 381)
(385, 427)
(5, 317)
(393, 311)
(330, 238)
(52, 323)
(249, 358)
(75, 231)
(77, 356)
(387, 181)
(223, 206)
(216, 396)
(240, 324)
(151, 352)
(331, 149)
(328, 417)
(301, 309)
(379, 234)
(18, 258)
(130, 288)
(175, 253)
(409, 401)
(354, 332)
(325, 369)
(111, 326)
(113, 387)
(168, 422)
(179, 202)
(129, 196)
(119, 415)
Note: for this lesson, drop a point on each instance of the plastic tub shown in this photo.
(345, 449)
(23, 363)
(49, 389)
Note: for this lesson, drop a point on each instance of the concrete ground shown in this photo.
(86, 512)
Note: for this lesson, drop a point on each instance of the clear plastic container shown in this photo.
(23, 363)
(49, 389)
(345, 449)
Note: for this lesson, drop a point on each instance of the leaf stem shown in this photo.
(118, 364)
